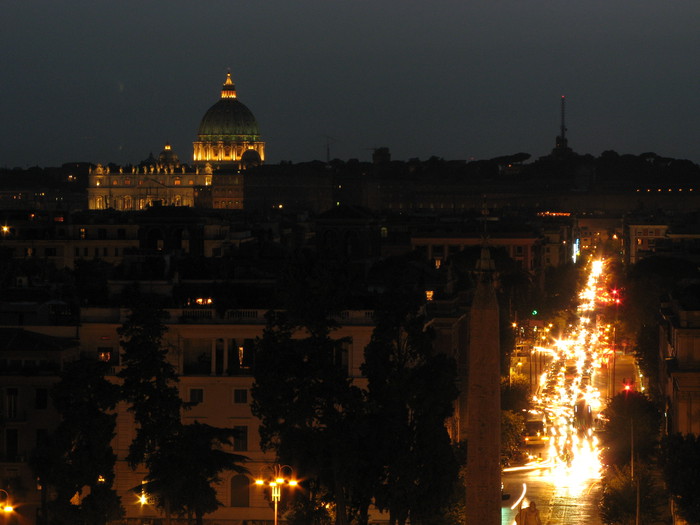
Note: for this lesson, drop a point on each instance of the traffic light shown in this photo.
(534, 312)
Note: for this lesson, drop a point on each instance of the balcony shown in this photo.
(208, 315)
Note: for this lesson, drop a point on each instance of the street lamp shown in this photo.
(5, 506)
(279, 475)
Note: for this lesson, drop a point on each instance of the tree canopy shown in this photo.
(308, 407)
(681, 464)
(411, 389)
(632, 421)
(386, 443)
(77, 458)
(183, 461)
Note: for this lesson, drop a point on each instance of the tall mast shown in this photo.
(563, 125)
(561, 146)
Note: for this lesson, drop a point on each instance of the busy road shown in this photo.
(581, 369)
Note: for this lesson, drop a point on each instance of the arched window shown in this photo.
(99, 203)
(240, 491)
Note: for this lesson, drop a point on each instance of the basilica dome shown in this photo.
(228, 119)
(228, 136)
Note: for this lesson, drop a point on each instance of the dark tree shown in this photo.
(411, 390)
(183, 461)
(512, 431)
(78, 458)
(149, 381)
(149, 387)
(620, 492)
(633, 422)
(308, 407)
(681, 464)
(310, 411)
(515, 393)
(191, 465)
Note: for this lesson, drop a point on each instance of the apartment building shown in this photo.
(680, 359)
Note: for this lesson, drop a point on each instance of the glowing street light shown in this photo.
(280, 475)
(142, 496)
(5, 505)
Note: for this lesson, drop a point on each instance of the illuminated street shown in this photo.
(580, 371)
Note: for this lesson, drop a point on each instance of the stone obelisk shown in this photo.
(484, 402)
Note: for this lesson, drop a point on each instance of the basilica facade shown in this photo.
(228, 142)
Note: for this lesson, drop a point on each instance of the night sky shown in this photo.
(113, 81)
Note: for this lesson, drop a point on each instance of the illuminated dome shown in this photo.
(228, 119)
(228, 135)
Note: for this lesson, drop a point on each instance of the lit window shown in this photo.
(429, 295)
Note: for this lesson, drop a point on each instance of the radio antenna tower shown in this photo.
(561, 146)
(563, 115)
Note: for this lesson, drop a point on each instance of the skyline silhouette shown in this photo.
(97, 82)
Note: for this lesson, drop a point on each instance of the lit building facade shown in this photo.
(213, 354)
(228, 142)
(642, 239)
(524, 249)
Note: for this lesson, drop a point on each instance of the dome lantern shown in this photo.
(228, 90)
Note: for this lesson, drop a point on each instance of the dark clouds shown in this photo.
(112, 81)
